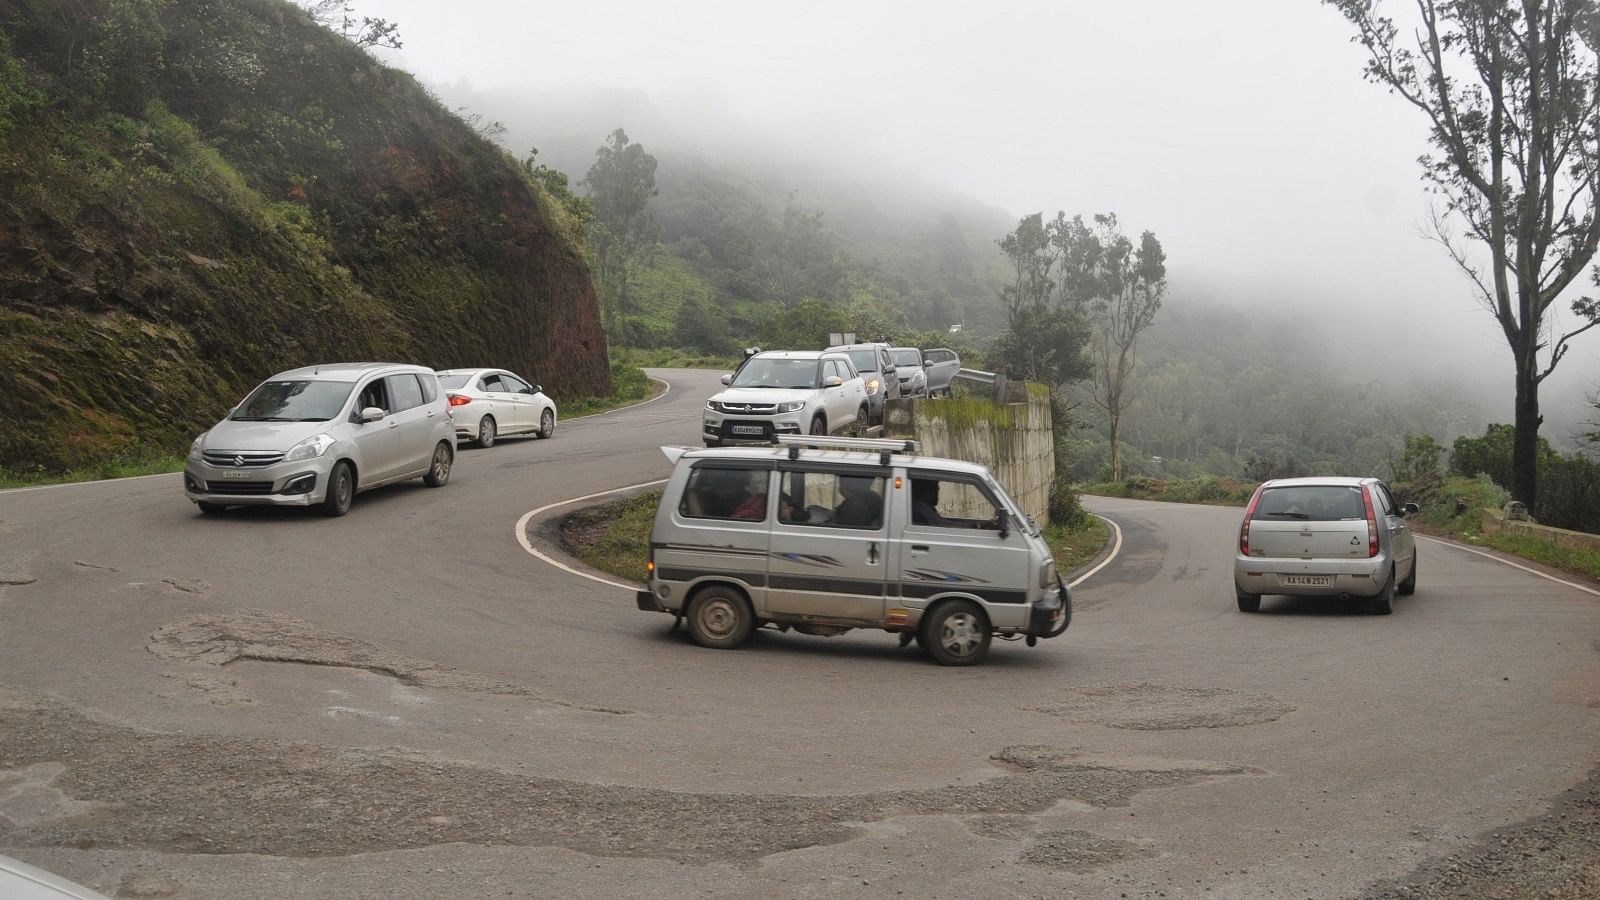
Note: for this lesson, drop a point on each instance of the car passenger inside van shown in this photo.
(925, 506)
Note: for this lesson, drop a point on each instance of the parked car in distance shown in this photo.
(490, 403)
(1325, 537)
(786, 392)
(824, 535)
(317, 436)
(941, 365)
(908, 367)
(877, 369)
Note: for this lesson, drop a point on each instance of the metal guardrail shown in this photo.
(997, 379)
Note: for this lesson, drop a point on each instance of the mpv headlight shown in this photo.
(791, 406)
(194, 448)
(310, 448)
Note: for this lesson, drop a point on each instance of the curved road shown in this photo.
(404, 702)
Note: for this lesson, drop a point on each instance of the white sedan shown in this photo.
(488, 403)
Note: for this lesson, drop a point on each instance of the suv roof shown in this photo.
(348, 371)
(847, 457)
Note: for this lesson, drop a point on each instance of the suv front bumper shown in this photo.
(724, 429)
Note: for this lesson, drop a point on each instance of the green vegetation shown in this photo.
(129, 465)
(629, 385)
(668, 358)
(1569, 559)
(1214, 491)
(1075, 546)
(196, 195)
(613, 537)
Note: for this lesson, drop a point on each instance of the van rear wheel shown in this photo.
(720, 618)
(956, 634)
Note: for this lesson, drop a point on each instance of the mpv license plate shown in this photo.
(235, 474)
(1306, 580)
(748, 429)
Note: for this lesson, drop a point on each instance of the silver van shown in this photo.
(822, 535)
(316, 436)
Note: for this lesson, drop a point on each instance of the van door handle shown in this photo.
(872, 554)
(919, 549)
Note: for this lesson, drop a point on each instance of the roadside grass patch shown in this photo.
(1568, 559)
(613, 537)
(1077, 545)
(673, 358)
(629, 385)
(125, 465)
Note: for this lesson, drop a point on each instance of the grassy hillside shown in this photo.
(196, 194)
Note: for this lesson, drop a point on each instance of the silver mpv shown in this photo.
(316, 436)
(1325, 537)
(823, 535)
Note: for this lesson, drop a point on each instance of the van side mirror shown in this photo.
(1409, 510)
(370, 414)
(727, 379)
(1005, 525)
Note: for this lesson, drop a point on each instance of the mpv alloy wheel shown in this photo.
(439, 469)
(341, 490)
(547, 424)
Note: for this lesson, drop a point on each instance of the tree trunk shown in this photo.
(1116, 445)
(1525, 446)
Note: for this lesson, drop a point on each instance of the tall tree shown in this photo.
(1122, 287)
(622, 234)
(1044, 338)
(1509, 89)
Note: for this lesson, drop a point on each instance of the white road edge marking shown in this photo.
(1116, 547)
(1507, 562)
(522, 532)
(666, 389)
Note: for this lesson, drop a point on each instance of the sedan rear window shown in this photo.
(294, 401)
(453, 382)
(1315, 503)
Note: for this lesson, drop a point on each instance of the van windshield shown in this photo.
(294, 401)
(799, 374)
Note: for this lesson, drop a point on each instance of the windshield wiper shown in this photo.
(1291, 515)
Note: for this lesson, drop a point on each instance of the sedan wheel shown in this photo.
(487, 432)
(547, 423)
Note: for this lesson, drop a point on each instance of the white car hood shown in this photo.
(280, 436)
(764, 396)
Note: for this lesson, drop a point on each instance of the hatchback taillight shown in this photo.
(1372, 522)
(1244, 530)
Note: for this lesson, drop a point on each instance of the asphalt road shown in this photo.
(404, 702)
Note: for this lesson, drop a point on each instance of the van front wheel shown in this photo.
(720, 618)
(956, 634)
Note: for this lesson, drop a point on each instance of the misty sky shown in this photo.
(1241, 132)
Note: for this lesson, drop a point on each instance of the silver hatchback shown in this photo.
(1320, 537)
(316, 436)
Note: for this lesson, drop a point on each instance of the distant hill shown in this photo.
(194, 195)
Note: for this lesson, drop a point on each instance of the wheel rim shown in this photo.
(441, 464)
(816, 426)
(547, 423)
(486, 431)
(959, 635)
(717, 617)
(342, 488)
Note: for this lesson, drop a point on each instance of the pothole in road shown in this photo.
(220, 639)
(204, 794)
(1154, 707)
(1078, 851)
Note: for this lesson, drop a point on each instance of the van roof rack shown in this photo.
(886, 447)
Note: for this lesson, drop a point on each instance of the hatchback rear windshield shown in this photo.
(1316, 503)
(294, 401)
(453, 382)
(907, 358)
(778, 373)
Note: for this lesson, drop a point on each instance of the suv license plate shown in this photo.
(1306, 580)
(748, 429)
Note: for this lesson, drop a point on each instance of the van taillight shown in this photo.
(1244, 530)
(1372, 522)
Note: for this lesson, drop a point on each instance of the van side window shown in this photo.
(830, 500)
(374, 394)
(717, 493)
(405, 392)
(949, 503)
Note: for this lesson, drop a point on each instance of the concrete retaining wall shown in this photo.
(1495, 522)
(1013, 439)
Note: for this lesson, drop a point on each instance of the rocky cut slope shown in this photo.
(195, 194)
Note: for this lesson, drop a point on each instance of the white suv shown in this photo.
(791, 392)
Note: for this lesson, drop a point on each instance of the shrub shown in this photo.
(1066, 507)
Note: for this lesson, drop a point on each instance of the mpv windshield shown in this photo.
(294, 401)
(1316, 503)
(778, 373)
(907, 358)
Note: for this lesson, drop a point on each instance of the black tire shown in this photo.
(819, 425)
(956, 633)
(341, 490)
(864, 420)
(488, 431)
(547, 424)
(210, 509)
(720, 618)
(439, 467)
(1409, 586)
(1383, 603)
(1247, 602)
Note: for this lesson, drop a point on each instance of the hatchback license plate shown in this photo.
(748, 429)
(1306, 580)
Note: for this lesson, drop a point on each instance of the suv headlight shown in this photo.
(791, 406)
(310, 448)
(714, 406)
(194, 448)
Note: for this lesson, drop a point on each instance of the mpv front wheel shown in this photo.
(341, 490)
(956, 634)
(720, 618)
